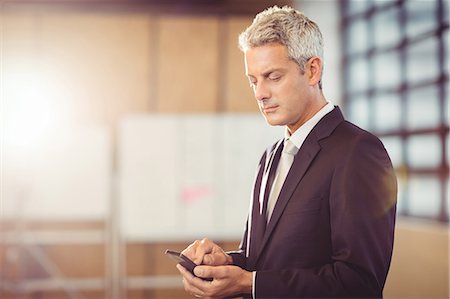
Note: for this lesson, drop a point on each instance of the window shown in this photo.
(395, 65)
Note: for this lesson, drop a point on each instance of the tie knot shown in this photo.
(289, 147)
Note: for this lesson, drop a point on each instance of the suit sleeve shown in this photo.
(239, 258)
(362, 215)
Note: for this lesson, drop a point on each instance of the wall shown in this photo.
(420, 263)
(95, 66)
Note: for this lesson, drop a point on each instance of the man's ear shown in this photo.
(314, 70)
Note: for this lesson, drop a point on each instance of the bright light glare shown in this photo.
(29, 107)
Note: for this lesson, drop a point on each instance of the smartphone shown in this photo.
(183, 261)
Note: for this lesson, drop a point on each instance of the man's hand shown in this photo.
(227, 281)
(206, 252)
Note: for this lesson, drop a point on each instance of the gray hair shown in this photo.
(286, 26)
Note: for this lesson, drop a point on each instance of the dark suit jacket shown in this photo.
(332, 229)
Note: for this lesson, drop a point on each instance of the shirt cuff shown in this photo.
(253, 284)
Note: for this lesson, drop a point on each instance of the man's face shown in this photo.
(283, 93)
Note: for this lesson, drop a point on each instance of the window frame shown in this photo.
(402, 89)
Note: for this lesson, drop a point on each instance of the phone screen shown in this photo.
(183, 261)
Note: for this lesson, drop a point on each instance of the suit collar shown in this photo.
(328, 123)
(299, 136)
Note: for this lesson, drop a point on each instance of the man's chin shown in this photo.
(273, 121)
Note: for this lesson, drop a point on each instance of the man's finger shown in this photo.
(189, 282)
(208, 259)
(193, 253)
(204, 248)
(194, 280)
(204, 271)
(197, 250)
(215, 259)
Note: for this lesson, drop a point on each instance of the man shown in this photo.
(323, 204)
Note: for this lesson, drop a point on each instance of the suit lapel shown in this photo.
(257, 218)
(298, 169)
(302, 161)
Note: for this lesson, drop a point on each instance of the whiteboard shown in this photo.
(64, 176)
(190, 176)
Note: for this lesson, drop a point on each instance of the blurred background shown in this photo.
(123, 125)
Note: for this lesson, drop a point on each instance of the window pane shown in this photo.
(359, 112)
(402, 185)
(387, 111)
(448, 197)
(357, 6)
(424, 151)
(448, 150)
(386, 28)
(423, 108)
(446, 51)
(358, 74)
(383, 2)
(358, 41)
(446, 106)
(421, 17)
(393, 146)
(387, 70)
(424, 195)
(422, 61)
(446, 8)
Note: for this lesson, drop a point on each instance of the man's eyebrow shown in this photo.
(269, 71)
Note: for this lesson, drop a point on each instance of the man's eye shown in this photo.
(274, 77)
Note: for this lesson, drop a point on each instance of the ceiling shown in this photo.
(221, 7)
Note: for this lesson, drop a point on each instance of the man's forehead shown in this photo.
(266, 58)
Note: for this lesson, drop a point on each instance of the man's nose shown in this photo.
(261, 92)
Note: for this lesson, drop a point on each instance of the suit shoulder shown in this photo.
(349, 137)
(352, 132)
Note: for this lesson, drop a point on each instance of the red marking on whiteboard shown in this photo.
(192, 194)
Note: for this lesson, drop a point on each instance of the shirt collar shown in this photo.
(301, 133)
